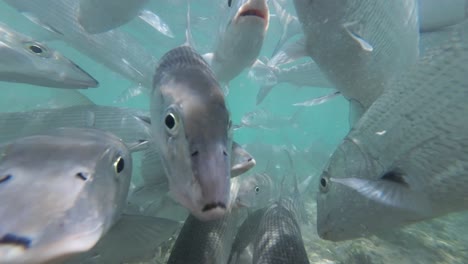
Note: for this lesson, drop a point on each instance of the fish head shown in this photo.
(342, 213)
(78, 183)
(35, 63)
(255, 191)
(246, 29)
(195, 135)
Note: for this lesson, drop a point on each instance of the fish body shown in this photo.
(406, 160)
(304, 74)
(205, 241)
(435, 15)
(240, 40)
(261, 118)
(114, 49)
(97, 16)
(127, 124)
(360, 45)
(279, 238)
(246, 234)
(254, 191)
(192, 127)
(73, 184)
(25, 60)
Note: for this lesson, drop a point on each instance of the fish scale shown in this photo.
(207, 242)
(390, 27)
(418, 127)
(123, 122)
(279, 238)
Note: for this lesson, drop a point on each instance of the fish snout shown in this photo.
(211, 168)
(79, 77)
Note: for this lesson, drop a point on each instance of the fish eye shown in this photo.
(257, 189)
(324, 184)
(119, 165)
(36, 49)
(171, 122)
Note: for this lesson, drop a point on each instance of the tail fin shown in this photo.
(266, 76)
(290, 23)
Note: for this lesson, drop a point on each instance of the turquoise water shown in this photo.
(319, 128)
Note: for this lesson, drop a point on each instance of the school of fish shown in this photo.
(165, 168)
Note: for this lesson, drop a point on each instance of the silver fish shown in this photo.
(133, 238)
(304, 74)
(73, 185)
(274, 232)
(263, 119)
(254, 190)
(279, 238)
(205, 241)
(114, 49)
(101, 16)
(240, 39)
(360, 45)
(211, 241)
(98, 16)
(192, 127)
(245, 235)
(241, 160)
(318, 100)
(406, 159)
(435, 15)
(127, 124)
(25, 60)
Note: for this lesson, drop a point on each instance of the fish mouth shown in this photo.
(83, 78)
(212, 206)
(212, 211)
(253, 12)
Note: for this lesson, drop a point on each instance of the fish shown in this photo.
(290, 25)
(128, 124)
(102, 16)
(241, 160)
(278, 238)
(210, 241)
(304, 74)
(245, 235)
(435, 15)
(205, 241)
(360, 45)
(115, 49)
(254, 190)
(263, 119)
(26, 60)
(318, 100)
(151, 197)
(68, 204)
(143, 235)
(192, 127)
(274, 230)
(240, 39)
(405, 161)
